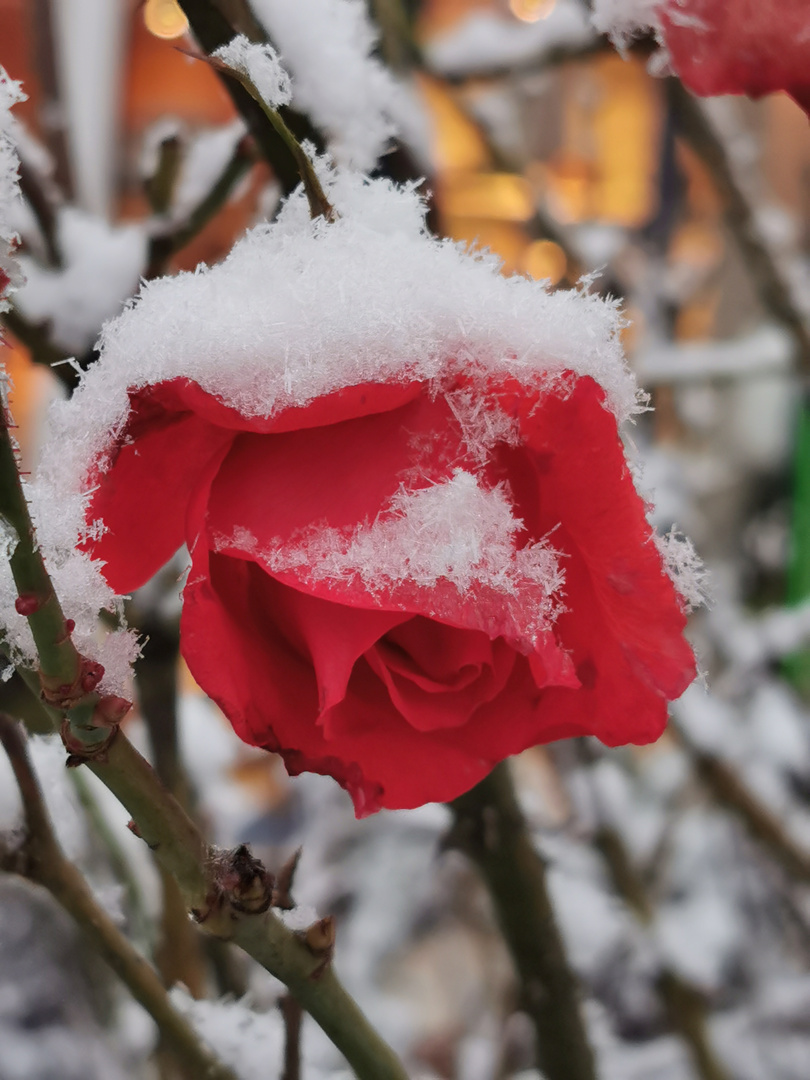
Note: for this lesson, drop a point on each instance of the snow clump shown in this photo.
(260, 65)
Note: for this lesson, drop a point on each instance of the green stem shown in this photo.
(319, 205)
(213, 30)
(164, 246)
(490, 829)
(179, 847)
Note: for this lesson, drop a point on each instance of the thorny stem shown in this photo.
(202, 874)
(59, 659)
(43, 862)
(490, 829)
(302, 966)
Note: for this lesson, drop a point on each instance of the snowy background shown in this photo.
(683, 864)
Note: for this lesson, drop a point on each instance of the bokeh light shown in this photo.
(165, 18)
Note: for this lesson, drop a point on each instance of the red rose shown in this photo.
(374, 602)
(416, 546)
(740, 46)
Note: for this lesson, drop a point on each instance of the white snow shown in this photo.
(10, 94)
(327, 47)
(103, 264)
(302, 308)
(623, 20)
(259, 64)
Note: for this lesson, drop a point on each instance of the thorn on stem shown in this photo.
(282, 897)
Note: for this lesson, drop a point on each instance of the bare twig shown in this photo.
(37, 197)
(291, 1011)
(53, 113)
(684, 1004)
(163, 246)
(41, 860)
(490, 829)
(769, 278)
(732, 794)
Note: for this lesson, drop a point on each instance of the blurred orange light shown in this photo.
(164, 18)
(545, 261)
(531, 10)
(498, 196)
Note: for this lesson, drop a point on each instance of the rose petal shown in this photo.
(241, 657)
(347, 403)
(739, 46)
(622, 622)
(341, 475)
(143, 495)
(463, 669)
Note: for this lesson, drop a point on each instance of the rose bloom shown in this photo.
(749, 47)
(371, 600)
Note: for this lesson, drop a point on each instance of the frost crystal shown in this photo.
(348, 93)
(684, 566)
(261, 65)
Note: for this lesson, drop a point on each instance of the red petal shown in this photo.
(340, 475)
(623, 622)
(739, 46)
(143, 495)
(439, 675)
(240, 654)
(183, 395)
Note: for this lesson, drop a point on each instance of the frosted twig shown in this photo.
(319, 205)
(771, 282)
(489, 828)
(60, 662)
(42, 861)
(213, 30)
(684, 1004)
(731, 793)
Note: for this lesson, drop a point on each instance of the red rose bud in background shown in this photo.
(416, 547)
(748, 47)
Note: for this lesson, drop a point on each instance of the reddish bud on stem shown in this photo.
(27, 603)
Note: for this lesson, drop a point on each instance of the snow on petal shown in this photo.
(456, 532)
